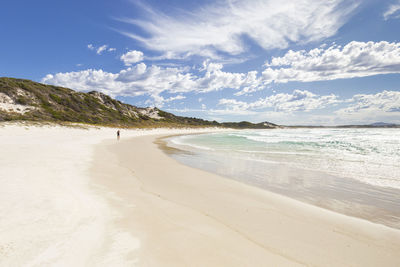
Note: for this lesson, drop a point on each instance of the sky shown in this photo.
(292, 62)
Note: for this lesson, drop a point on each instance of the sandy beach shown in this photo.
(52, 210)
(79, 197)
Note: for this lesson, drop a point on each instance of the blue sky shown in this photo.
(288, 62)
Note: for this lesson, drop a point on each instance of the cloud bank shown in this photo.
(297, 101)
(356, 59)
(386, 101)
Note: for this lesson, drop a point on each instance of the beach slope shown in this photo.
(189, 217)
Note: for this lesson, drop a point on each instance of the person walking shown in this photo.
(118, 135)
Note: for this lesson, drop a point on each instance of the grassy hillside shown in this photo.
(31, 101)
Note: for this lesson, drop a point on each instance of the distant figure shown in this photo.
(118, 134)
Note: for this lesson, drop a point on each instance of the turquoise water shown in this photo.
(352, 171)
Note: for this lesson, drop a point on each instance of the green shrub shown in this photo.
(21, 100)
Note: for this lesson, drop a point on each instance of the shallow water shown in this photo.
(351, 171)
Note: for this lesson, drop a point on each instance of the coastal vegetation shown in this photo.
(26, 100)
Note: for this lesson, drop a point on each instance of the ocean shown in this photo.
(351, 171)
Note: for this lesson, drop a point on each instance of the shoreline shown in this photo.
(78, 197)
(185, 216)
(346, 196)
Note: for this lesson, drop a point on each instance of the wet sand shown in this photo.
(343, 195)
(189, 217)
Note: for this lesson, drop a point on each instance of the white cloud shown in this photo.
(297, 101)
(221, 26)
(370, 108)
(386, 101)
(99, 50)
(159, 101)
(361, 108)
(174, 98)
(132, 57)
(154, 80)
(215, 79)
(280, 108)
(85, 80)
(356, 59)
(133, 81)
(213, 112)
(392, 11)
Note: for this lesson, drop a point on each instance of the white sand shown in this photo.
(188, 217)
(51, 213)
(74, 197)
(8, 104)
